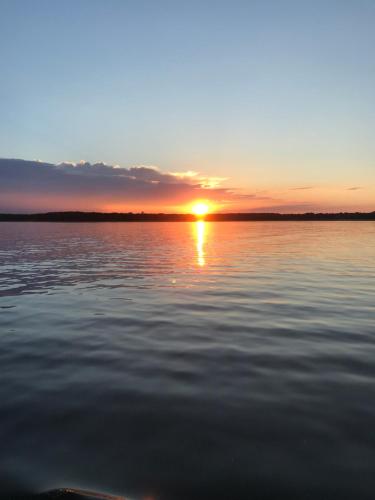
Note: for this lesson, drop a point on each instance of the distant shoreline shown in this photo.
(161, 217)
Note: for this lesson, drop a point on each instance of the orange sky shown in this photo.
(34, 186)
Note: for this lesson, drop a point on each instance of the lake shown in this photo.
(188, 361)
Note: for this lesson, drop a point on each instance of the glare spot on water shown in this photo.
(200, 235)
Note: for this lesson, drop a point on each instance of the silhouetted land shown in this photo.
(144, 217)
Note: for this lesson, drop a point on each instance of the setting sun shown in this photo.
(200, 209)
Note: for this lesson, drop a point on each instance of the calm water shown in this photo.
(189, 361)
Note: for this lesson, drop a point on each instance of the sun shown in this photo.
(200, 209)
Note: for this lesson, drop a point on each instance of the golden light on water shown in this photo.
(200, 234)
(201, 208)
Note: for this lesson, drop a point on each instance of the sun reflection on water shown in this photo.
(200, 235)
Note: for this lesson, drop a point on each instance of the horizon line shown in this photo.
(80, 216)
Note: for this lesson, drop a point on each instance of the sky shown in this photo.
(262, 105)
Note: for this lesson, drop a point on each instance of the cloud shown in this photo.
(203, 181)
(35, 185)
(189, 174)
(354, 188)
(287, 208)
(251, 196)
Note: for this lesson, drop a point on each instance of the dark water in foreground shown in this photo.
(184, 361)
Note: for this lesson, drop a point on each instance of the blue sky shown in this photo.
(270, 95)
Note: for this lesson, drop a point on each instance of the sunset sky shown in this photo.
(122, 105)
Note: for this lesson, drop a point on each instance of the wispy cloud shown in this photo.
(202, 180)
(302, 188)
(354, 188)
(287, 207)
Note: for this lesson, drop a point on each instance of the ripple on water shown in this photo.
(233, 361)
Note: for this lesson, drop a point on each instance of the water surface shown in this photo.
(189, 361)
